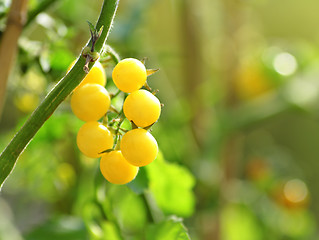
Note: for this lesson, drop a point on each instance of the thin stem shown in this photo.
(113, 109)
(117, 133)
(113, 54)
(115, 94)
(63, 88)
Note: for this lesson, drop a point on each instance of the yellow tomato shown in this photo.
(142, 107)
(96, 75)
(139, 147)
(129, 75)
(116, 169)
(251, 82)
(94, 138)
(90, 102)
(26, 102)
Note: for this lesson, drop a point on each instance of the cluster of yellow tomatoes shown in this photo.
(90, 102)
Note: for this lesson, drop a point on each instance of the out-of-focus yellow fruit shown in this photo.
(257, 169)
(251, 82)
(26, 102)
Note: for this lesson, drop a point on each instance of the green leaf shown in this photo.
(110, 232)
(171, 185)
(60, 59)
(140, 183)
(171, 229)
(127, 208)
(62, 228)
(92, 28)
(239, 223)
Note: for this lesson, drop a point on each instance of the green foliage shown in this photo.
(176, 198)
(63, 227)
(170, 229)
(140, 183)
(238, 223)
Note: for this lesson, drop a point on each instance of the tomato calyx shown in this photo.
(151, 71)
(107, 151)
(88, 52)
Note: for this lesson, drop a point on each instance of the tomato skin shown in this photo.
(129, 75)
(93, 138)
(142, 107)
(96, 75)
(139, 147)
(116, 169)
(90, 102)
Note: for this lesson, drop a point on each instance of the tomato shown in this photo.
(139, 147)
(90, 102)
(129, 75)
(142, 107)
(94, 138)
(116, 169)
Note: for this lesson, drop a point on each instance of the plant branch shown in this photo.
(8, 47)
(63, 88)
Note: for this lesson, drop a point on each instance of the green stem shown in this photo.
(63, 88)
(117, 133)
(113, 54)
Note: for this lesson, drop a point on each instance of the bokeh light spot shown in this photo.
(285, 63)
(295, 190)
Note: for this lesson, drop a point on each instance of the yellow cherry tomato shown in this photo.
(142, 107)
(129, 75)
(251, 82)
(96, 75)
(139, 147)
(116, 169)
(26, 102)
(90, 102)
(94, 138)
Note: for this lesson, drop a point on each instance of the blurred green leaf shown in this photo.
(62, 228)
(128, 209)
(140, 183)
(238, 223)
(110, 232)
(298, 224)
(171, 229)
(55, 128)
(60, 59)
(172, 186)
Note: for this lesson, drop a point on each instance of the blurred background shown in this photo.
(238, 134)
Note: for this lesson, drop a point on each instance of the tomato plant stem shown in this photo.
(61, 90)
